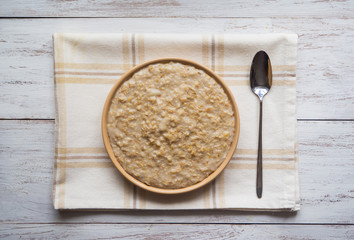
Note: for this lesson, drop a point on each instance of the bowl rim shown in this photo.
(109, 148)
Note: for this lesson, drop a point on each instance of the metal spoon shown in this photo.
(261, 81)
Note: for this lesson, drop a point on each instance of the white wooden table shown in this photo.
(325, 113)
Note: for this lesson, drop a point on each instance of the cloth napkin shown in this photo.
(87, 66)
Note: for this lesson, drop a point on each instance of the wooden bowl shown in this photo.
(108, 146)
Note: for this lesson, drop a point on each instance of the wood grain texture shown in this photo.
(324, 71)
(177, 8)
(175, 231)
(26, 172)
(324, 91)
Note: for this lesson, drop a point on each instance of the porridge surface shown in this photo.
(170, 125)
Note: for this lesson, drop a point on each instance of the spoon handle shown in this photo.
(259, 158)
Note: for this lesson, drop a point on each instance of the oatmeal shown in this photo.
(170, 125)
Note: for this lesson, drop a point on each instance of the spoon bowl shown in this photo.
(261, 74)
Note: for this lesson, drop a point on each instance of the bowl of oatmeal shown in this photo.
(170, 125)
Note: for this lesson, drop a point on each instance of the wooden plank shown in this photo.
(174, 231)
(176, 8)
(26, 172)
(324, 75)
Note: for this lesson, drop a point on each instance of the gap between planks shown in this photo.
(177, 223)
(177, 17)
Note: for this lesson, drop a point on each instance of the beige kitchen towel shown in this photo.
(87, 66)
